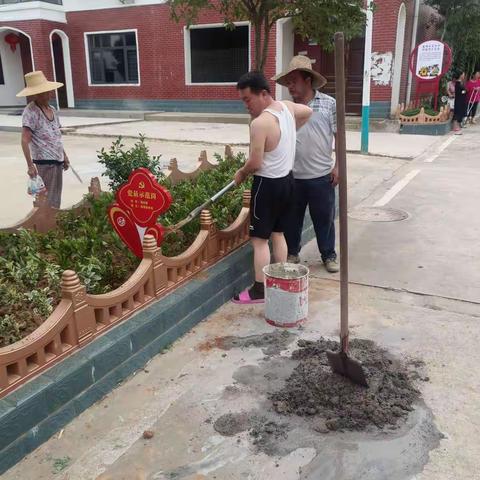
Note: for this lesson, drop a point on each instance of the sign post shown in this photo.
(429, 62)
(138, 204)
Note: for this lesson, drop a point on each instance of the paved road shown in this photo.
(434, 251)
(415, 290)
(181, 140)
(381, 143)
(83, 155)
(15, 121)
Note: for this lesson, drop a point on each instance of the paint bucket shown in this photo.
(286, 294)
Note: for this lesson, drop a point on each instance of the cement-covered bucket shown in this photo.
(286, 294)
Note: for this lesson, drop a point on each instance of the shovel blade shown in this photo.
(342, 364)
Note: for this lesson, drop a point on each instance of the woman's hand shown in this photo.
(32, 171)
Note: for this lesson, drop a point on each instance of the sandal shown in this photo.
(243, 298)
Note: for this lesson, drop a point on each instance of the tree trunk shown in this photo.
(266, 35)
(257, 28)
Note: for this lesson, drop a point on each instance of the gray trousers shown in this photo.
(52, 176)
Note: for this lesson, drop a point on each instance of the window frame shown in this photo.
(87, 58)
(188, 53)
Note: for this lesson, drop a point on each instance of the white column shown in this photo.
(412, 47)
(367, 78)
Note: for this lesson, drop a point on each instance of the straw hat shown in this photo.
(37, 83)
(300, 62)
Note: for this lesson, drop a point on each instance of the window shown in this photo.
(218, 55)
(2, 78)
(113, 58)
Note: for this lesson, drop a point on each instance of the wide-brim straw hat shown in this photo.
(37, 83)
(300, 62)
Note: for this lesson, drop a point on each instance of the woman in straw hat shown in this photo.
(41, 136)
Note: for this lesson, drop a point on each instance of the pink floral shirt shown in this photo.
(473, 96)
(46, 135)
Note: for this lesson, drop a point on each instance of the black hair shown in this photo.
(255, 80)
(457, 74)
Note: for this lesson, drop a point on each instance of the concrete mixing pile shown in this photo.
(312, 389)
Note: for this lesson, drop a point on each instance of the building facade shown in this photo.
(115, 54)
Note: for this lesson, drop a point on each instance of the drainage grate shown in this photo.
(378, 214)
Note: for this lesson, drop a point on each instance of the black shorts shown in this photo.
(270, 205)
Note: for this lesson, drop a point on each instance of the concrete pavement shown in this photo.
(84, 136)
(182, 392)
(13, 123)
(414, 290)
(83, 155)
(381, 143)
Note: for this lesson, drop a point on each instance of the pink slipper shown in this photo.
(244, 299)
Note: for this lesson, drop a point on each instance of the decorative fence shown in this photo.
(43, 217)
(80, 317)
(422, 117)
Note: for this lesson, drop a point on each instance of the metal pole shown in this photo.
(367, 65)
(341, 156)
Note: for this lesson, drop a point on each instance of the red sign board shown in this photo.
(143, 197)
(429, 61)
(139, 203)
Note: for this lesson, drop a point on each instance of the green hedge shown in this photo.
(415, 111)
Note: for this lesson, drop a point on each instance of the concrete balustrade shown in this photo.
(80, 318)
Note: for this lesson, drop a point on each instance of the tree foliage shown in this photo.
(460, 23)
(317, 20)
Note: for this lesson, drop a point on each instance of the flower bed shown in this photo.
(423, 120)
(423, 114)
(31, 263)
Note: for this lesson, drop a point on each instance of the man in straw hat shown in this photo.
(270, 160)
(315, 172)
(41, 136)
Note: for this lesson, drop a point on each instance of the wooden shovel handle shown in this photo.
(341, 158)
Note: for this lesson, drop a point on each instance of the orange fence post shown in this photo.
(83, 314)
(207, 224)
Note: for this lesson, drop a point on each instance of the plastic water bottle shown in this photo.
(36, 186)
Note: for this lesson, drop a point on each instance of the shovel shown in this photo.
(194, 213)
(340, 362)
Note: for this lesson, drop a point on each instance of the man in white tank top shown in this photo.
(271, 157)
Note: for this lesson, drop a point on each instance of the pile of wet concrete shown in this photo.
(338, 404)
(357, 433)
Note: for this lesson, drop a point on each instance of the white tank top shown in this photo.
(279, 162)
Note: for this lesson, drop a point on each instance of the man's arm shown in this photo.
(26, 139)
(258, 136)
(333, 125)
(302, 113)
(335, 178)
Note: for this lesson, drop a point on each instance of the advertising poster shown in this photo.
(429, 60)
